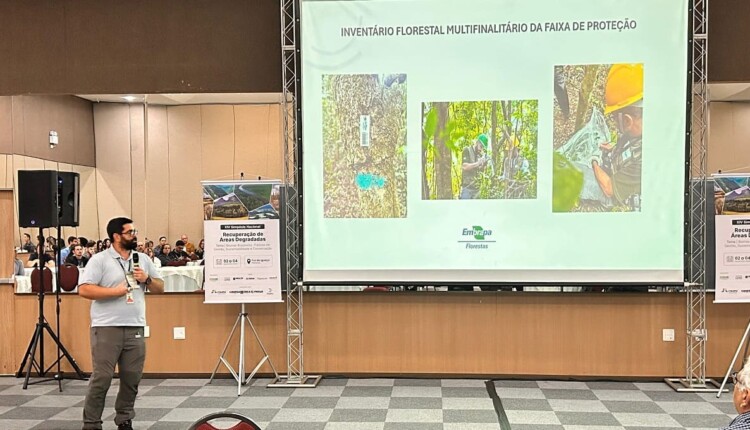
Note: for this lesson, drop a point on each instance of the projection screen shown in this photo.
(503, 141)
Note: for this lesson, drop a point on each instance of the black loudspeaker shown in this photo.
(68, 191)
(47, 198)
(37, 198)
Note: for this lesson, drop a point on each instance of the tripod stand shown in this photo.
(239, 374)
(37, 339)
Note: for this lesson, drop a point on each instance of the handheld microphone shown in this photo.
(136, 265)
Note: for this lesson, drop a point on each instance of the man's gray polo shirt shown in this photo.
(107, 269)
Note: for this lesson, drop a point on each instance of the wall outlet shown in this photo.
(146, 331)
(667, 335)
(179, 333)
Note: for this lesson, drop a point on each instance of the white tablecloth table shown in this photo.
(176, 279)
(182, 279)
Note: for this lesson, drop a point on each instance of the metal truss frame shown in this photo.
(292, 136)
(697, 142)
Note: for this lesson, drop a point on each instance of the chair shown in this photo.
(68, 277)
(46, 274)
(243, 423)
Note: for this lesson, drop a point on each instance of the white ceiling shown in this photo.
(187, 98)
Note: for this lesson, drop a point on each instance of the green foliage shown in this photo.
(567, 183)
(515, 175)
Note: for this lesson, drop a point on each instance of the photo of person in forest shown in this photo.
(597, 137)
(479, 150)
(364, 146)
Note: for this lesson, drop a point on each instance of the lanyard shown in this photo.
(130, 270)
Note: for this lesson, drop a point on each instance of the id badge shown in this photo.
(129, 298)
(131, 280)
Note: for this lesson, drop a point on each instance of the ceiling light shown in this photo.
(129, 98)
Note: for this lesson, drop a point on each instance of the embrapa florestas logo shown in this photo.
(478, 232)
(476, 237)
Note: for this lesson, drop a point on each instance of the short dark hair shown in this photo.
(27, 235)
(179, 243)
(162, 237)
(115, 226)
(83, 241)
(71, 239)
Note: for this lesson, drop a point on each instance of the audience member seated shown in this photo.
(200, 251)
(158, 248)
(90, 250)
(50, 245)
(17, 265)
(153, 257)
(178, 253)
(164, 257)
(77, 258)
(741, 398)
(72, 242)
(34, 260)
(140, 247)
(27, 245)
(189, 247)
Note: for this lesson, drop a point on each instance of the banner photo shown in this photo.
(732, 210)
(242, 241)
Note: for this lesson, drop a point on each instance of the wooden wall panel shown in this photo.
(7, 242)
(19, 163)
(68, 231)
(137, 164)
(29, 119)
(8, 343)
(19, 135)
(6, 125)
(89, 216)
(258, 141)
(81, 114)
(42, 114)
(6, 165)
(9, 182)
(112, 131)
(274, 143)
(217, 142)
(157, 175)
(481, 334)
(185, 194)
(728, 133)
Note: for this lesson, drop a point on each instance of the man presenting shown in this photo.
(472, 162)
(116, 282)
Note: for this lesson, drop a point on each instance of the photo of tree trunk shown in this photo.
(479, 150)
(364, 146)
(597, 126)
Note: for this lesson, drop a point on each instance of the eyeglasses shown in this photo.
(131, 232)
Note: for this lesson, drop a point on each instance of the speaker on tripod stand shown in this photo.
(47, 198)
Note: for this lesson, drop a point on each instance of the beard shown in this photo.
(130, 244)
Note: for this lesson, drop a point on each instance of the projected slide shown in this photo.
(493, 140)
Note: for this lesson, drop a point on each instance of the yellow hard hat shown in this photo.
(624, 86)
